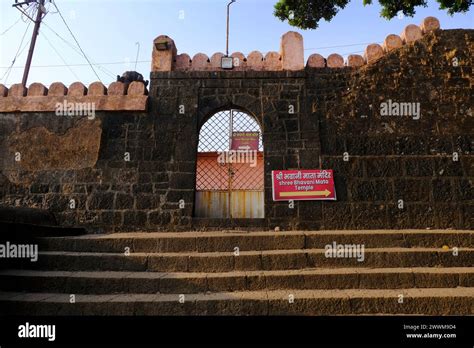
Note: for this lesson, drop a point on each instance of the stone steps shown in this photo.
(227, 241)
(187, 283)
(429, 301)
(246, 261)
(205, 268)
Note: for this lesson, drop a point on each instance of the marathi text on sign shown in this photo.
(317, 184)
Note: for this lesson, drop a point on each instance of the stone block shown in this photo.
(373, 52)
(335, 61)
(101, 200)
(200, 62)
(411, 33)
(422, 215)
(397, 218)
(355, 60)
(136, 219)
(465, 189)
(272, 62)
(216, 59)
(255, 61)
(369, 191)
(412, 190)
(97, 88)
(123, 201)
(292, 51)
(117, 88)
(136, 88)
(57, 89)
(442, 190)
(429, 24)
(240, 62)
(164, 54)
(383, 167)
(316, 61)
(310, 210)
(370, 215)
(392, 42)
(183, 62)
(77, 89)
(37, 90)
(17, 90)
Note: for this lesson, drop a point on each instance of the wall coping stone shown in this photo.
(233, 74)
(38, 98)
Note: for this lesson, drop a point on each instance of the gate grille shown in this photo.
(214, 140)
(215, 135)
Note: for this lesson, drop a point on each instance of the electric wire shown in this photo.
(74, 37)
(108, 72)
(18, 53)
(59, 55)
(10, 27)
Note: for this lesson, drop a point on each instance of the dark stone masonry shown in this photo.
(127, 171)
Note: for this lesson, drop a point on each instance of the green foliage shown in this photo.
(455, 6)
(306, 14)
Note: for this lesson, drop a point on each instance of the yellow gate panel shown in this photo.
(243, 204)
(246, 204)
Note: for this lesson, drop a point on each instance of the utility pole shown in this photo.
(39, 16)
(227, 36)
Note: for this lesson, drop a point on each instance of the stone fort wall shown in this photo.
(130, 166)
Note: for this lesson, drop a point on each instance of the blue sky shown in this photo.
(108, 31)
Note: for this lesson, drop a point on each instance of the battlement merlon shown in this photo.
(118, 96)
(290, 57)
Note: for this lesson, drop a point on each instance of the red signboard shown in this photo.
(245, 141)
(317, 184)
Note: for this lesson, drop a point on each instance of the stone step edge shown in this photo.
(185, 275)
(214, 234)
(459, 292)
(248, 252)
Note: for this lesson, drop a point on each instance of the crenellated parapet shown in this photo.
(375, 51)
(118, 96)
(290, 56)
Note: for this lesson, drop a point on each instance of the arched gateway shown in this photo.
(230, 172)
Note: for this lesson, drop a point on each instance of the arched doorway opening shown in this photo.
(230, 170)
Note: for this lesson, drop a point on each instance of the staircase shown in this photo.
(245, 273)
